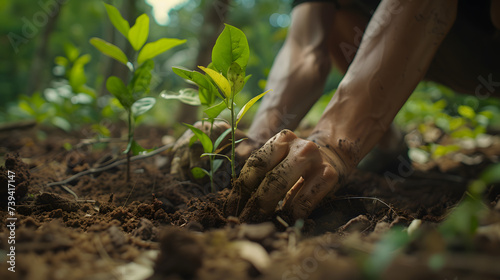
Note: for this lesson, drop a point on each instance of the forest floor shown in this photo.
(157, 227)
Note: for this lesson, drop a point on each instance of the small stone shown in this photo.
(360, 223)
(257, 232)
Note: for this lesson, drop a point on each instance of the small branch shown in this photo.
(104, 168)
(92, 141)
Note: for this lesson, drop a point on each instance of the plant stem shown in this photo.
(130, 139)
(233, 124)
(212, 161)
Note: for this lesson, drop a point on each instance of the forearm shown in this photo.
(293, 93)
(396, 51)
(299, 72)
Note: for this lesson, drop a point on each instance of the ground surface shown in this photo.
(159, 228)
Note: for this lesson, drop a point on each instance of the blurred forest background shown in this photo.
(48, 62)
(49, 72)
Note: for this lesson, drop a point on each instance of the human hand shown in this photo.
(297, 171)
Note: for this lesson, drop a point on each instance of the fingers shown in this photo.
(301, 201)
(255, 169)
(301, 162)
(272, 189)
(304, 177)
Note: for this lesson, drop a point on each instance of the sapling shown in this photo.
(224, 78)
(131, 95)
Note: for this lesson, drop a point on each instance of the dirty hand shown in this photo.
(186, 156)
(297, 171)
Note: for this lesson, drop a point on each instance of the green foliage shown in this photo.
(69, 102)
(463, 222)
(385, 251)
(458, 115)
(491, 175)
(156, 48)
(224, 78)
(138, 34)
(139, 85)
(132, 96)
(109, 50)
(231, 47)
(204, 139)
(248, 105)
(188, 96)
(461, 117)
(117, 20)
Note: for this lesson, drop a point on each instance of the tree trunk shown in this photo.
(39, 64)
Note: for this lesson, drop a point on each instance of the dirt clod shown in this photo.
(181, 254)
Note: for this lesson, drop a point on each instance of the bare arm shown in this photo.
(299, 72)
(396, 51)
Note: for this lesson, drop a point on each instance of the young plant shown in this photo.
(224, 78)
(131, 95)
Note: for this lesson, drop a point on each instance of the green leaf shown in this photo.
(216, 165)
(61, 60)
(61, 123)
(84, 59)
(219, 79)
(77, 77)
(240, 140)
(192, 140)
(139, 85)
(24, 105)
(463, 221)
(116, 87)
(491, 174)
(136, 148)
(101, 129)
(248, 105)
(440, 150)
(117, 20)
(231, 46)
(221, 138)
(109, 50)
(207, 96)
(217, 155)
(214, 111)
(153, 49)
(188, 96)
(143, 105)
(236, 77)
(466, 112)
(199, 173)
(138, 34)
(204, 139)
(71, 52)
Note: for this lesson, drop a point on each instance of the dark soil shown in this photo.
(156, 227)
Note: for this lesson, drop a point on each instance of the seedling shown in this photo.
(224, 78)
(131, 96)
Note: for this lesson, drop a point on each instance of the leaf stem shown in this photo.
(233, 144)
